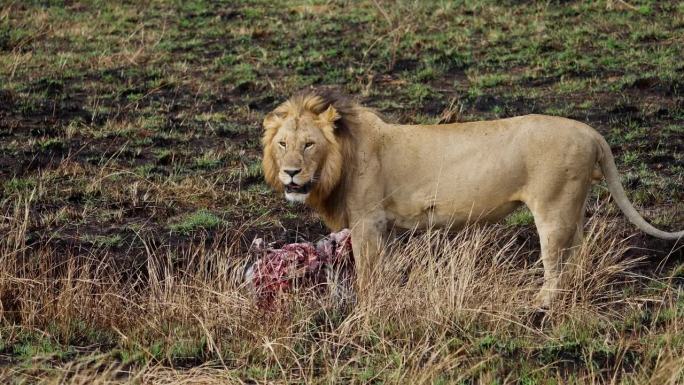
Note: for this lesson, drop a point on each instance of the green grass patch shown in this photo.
(105, 241)
(520, 217)
(199, 220)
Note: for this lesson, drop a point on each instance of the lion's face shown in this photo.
(299, 149)
(297, 153)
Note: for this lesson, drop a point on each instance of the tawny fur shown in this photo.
(370, 176)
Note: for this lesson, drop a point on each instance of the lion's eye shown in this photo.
(281, 144)
(308, 145)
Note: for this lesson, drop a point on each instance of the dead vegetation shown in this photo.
(443, 309)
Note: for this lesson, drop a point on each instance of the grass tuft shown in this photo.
(199, 220)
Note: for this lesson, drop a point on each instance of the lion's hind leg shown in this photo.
(560, 224)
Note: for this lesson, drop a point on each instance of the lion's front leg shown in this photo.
(368, 235)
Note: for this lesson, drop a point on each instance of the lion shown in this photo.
(359, 171)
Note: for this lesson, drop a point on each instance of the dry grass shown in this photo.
(443, 309)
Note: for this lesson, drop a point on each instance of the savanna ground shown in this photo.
(131, 188)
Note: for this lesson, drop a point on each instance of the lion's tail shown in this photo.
(610, 172)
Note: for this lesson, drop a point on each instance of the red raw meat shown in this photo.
(279, 270)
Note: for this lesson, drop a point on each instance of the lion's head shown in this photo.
(305, 145)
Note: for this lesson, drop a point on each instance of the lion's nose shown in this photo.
(292, 172)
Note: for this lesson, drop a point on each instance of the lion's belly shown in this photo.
(428, 212)
(466, 189)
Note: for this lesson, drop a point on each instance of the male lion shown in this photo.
(360, 172)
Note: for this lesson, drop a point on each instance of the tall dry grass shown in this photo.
(444, 308)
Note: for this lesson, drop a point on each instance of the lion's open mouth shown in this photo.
(298, 189)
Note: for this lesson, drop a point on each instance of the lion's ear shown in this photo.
(330, 115)
(273, 120)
